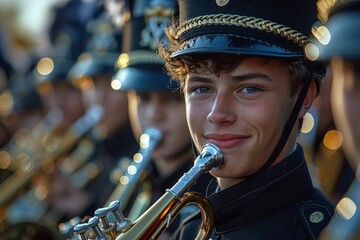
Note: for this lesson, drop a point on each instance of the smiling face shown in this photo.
(345, 99)
(243, 111)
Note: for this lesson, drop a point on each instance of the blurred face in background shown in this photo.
(114, 102)
(65, 101)
(345, 101)
(165, 111)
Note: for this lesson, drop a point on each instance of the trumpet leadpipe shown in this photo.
(154, 221)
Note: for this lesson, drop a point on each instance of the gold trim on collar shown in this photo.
(246, 22)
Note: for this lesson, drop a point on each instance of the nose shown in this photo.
(222, 111)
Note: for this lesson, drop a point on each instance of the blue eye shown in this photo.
(202, 90)
(250, 89)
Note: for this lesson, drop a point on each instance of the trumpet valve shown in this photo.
(107, 228)
(93, 223)
(81, 229)
(122, 223)
(102, 213)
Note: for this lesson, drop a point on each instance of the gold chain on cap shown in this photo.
(246, 22)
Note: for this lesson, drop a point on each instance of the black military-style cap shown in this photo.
(52, 70)
(54, 67)
(67, 35)
(277, 28)
(341, 34)
(102, 50)
(93, 63)
(140, 68)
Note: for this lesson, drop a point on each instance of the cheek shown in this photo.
(116, 101)
(266, 115)
(194, 117)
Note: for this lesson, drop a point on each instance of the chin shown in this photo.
(230, 173)
(220, 173)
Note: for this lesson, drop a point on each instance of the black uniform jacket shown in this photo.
(278, 203)
(107, 153)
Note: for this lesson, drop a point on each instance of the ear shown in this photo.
(310, 96)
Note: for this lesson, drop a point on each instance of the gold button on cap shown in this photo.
(222, 3)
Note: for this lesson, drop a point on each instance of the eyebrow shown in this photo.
(250, 76)
(242, 77)
(199, 79)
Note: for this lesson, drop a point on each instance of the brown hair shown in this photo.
(179, 67)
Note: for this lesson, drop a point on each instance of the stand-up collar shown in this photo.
(262, 195)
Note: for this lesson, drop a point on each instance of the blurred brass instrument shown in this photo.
(28, 142)
(129, 181)
(132, 173)
(20, 178)
(152, 223)
(40, 158)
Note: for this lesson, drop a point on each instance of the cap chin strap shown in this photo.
(288, 127)
(286, 131)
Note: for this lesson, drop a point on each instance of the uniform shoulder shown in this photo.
(316, 213)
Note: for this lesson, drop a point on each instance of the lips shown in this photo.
(226, 141)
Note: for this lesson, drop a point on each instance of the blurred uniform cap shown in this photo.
(340, 34)
(278, 28)
(140, 68)
(55, 67)
(67, 36)
(52, 70)
(102, 50)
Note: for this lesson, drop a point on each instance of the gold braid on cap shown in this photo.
(246, 22)
(138, 57)
(325, 7)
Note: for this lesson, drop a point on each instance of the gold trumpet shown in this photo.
(152, 223)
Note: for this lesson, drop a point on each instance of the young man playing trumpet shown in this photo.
(247, 87)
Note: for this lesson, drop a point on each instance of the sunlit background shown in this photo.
(24, 36)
